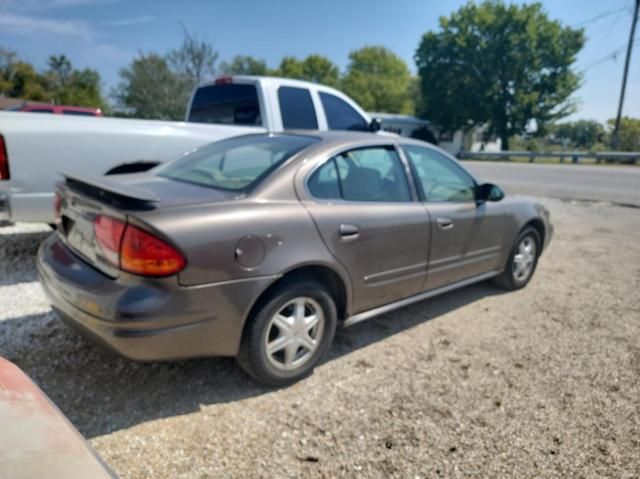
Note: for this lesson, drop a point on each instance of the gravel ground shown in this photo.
(543, 382)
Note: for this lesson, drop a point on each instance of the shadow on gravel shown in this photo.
(18, 256)
(101, 392)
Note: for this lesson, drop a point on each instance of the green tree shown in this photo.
(195, 59)
(507, 66)
(629, 135)
(314, 68)
(69, 86)
(244, 65)
(379, 80)
(150, 89)
(19, 79)
(579, 134)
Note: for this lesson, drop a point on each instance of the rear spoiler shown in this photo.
(113, 192)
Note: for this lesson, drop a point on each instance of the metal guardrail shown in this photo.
(574, 156)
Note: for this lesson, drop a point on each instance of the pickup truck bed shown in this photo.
(40, 147)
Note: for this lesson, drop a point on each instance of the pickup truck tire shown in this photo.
(137, 167)
(288, 334)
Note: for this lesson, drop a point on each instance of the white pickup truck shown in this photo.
(35, 147)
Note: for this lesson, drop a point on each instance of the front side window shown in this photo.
(341, 115)
(439, 178)
(228, 104)
(235, 164)
(366, 174)
(296, 108)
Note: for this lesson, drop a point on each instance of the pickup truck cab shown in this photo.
(34, 149)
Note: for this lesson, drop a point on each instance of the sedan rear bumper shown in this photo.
(146, 319)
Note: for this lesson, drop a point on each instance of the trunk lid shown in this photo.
(82, 199)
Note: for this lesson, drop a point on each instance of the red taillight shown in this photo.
(144, 254)
(225, 80)
(4, 160)
(57, 205)
(108, 233)
(134, 250)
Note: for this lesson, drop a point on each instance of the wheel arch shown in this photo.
(538, 225)
(326, 275)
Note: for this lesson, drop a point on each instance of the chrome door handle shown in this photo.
(444, 223)
(348, 231)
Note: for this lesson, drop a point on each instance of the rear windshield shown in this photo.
(230, 104)
(235, 164)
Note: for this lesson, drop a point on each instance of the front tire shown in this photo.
(289, 334)
(522, 261)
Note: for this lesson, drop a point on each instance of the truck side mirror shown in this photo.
(375, 125)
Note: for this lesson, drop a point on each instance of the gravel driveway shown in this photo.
(544, 382)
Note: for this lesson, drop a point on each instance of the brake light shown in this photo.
(4, 160)
(144, 254)
(225, 80)
(134, 250)
(108, 233)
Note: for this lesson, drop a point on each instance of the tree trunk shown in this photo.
(504, 141)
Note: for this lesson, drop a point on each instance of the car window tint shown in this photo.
(341, 115)
(296, 108)
(372, 174)
(439, 178)
(233, 104)
(323, 183)
(40, 110)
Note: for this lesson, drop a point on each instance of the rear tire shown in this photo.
(522, 261)
(288, 334)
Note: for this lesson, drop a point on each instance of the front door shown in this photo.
(367, 217)
(466, 237)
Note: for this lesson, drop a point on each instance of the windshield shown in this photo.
(237, 163)
(231, 104)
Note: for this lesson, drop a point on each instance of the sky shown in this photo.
(107, 34)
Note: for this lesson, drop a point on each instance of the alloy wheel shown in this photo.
(294, 333)
(524, 259)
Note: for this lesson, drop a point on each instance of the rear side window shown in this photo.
(40, 110)
(366, 174)
(230, 104)
(341, 115)
(296, 108)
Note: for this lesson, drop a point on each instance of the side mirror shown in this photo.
(489, 192)
(375, 125)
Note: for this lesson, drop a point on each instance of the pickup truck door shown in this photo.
(466, 236)
(361, 203)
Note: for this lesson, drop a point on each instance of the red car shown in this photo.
(59, 109)
(36, 439)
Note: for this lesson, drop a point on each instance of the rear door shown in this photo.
(466, 237)
(364, 208)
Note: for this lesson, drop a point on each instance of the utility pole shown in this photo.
(616, 130)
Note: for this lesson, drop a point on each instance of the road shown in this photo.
(615, 184)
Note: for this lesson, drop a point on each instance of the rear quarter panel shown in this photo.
(246, 239)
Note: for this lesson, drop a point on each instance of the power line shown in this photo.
(609, 56)
(599, 16)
